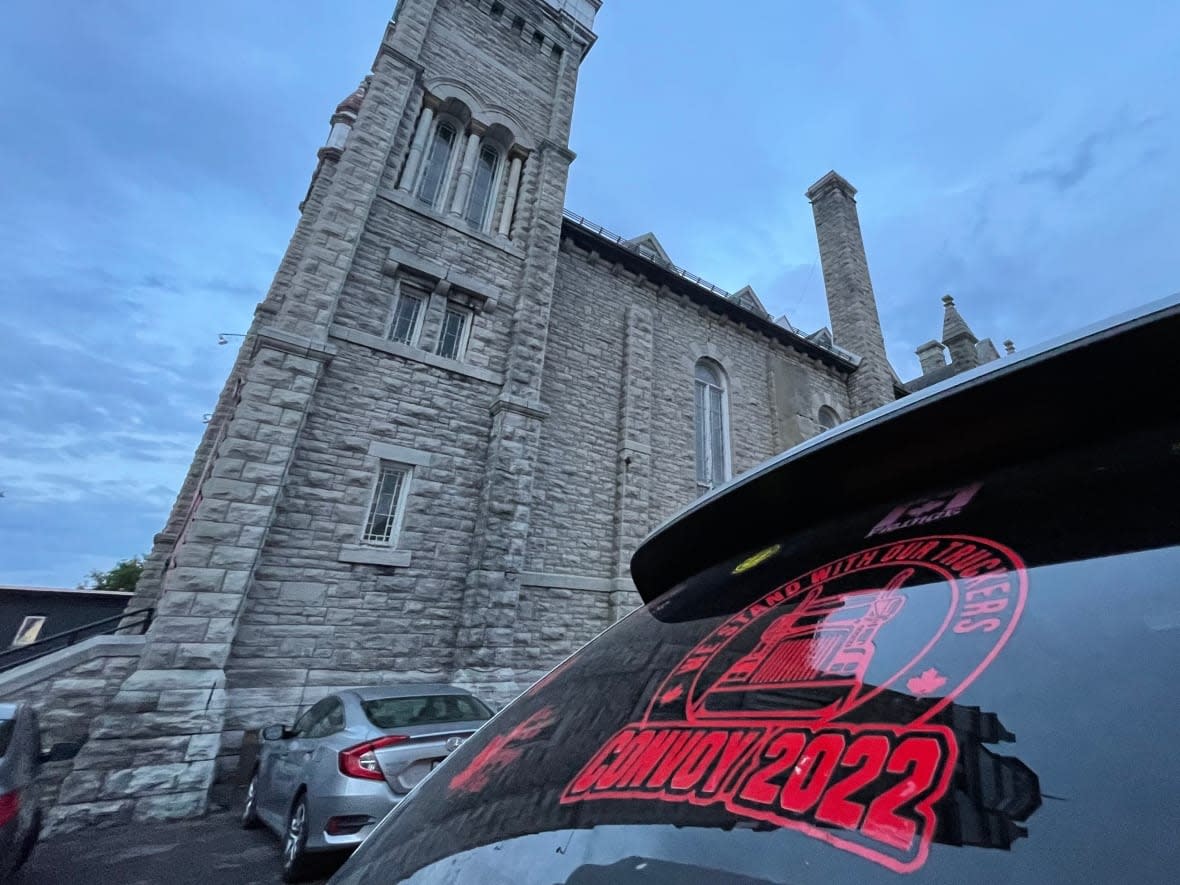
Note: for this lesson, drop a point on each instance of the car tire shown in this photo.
(250, 819)
(296, 863)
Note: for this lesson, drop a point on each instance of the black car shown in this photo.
(940, 642)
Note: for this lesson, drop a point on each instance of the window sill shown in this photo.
(364, 555)
(405, 351)
(400, 198)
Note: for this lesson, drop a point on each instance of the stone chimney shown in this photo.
(932, 356)
(958, 337)
(851, 304)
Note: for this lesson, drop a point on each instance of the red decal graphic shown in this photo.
(927, 682)
(757, 718)
(926, 510)
(502, 751)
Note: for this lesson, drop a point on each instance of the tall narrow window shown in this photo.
(711, 434)
(388, 504)
(827, 417)
(437, 161)
(481, 188)
(407, 314)
(452, 340)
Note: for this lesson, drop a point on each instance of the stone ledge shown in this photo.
(400, 454)
(51, 665)
(361, 555)
(281, 340)
(568, 582)
(527, 407)
(383, 345)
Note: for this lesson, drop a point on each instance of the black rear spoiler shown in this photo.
(1084, 388)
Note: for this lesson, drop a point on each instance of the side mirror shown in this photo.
(61, 752)
(276, 733)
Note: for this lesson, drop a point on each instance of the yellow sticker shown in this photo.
(757, 559)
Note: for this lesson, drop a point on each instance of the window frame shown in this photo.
(438, 201)
(702, 425)
(464, 339)
(399, 507)
(819, 418)
(336, 706)
(492, 198)
(313, 715)
(35, 623)
(421, 291)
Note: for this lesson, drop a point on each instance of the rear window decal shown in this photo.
(772, 716)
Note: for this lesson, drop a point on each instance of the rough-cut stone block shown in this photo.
(202, 747)
(175, 806)
(71, 818)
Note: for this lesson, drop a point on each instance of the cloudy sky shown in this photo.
(1022, 156)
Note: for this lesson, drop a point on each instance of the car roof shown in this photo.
(405, 690)
(1061, 392)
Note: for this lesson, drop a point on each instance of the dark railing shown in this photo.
(133, 622)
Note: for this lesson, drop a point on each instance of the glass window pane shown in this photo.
(708, 374)
(383, 513)
(402, 712)
(405, 318)
(702, 434)
(436, 163)
(481, 187)
(716, 437)
(450, 339)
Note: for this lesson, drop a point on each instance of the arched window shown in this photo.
(712, 435)
(438, 159)
(482, 187)
(827, 417)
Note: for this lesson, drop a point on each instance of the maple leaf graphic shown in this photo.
(671, 694)
(927, 682)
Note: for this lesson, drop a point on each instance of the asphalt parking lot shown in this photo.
(213, 849)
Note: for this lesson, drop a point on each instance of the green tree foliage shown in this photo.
(121, 579)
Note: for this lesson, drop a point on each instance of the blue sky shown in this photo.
(1021, 156)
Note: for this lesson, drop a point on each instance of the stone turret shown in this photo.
(958, 337)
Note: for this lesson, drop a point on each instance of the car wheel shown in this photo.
(250, 818)
(295, 859)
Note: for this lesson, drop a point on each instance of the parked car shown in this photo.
(21, 758)
(942, 641)
(324, 783)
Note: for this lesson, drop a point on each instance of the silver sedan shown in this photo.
(324, 783)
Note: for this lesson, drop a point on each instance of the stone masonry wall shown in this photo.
(572, 531)
(69, 697)
(503, 66)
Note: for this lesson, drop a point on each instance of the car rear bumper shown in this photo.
(334, 819)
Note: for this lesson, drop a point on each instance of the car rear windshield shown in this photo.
(974, 683)
(424, 710)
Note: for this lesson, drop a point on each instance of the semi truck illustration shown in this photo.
(819, 653)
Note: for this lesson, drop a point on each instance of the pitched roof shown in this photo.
(645, 243)
(747, 298)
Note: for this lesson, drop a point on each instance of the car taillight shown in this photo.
(9, 806)
(361, 760)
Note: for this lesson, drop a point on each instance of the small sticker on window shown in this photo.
(926, 510)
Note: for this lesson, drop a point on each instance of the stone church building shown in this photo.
(457, 412)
